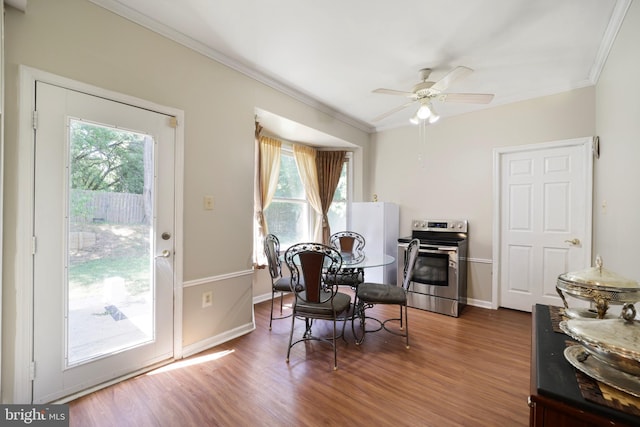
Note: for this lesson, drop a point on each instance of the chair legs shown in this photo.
(271, 318)
(406, 323)
(309, 336)
(359, 323)
(271, 315)
(293, 323)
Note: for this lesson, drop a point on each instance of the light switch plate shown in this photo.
(208, 203)
(207, 299)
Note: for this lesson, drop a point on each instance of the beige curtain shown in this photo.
(267, 170)
(306, 162)
(329, 166)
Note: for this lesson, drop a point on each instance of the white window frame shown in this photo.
(287, 150)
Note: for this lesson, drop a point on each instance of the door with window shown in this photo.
(103, 241)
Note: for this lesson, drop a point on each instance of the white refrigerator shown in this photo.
(379, 223)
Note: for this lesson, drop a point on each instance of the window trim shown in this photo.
(286, 149)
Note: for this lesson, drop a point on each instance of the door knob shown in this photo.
(574, 242)
(165, 254)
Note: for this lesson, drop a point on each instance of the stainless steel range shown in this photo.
(439, 281)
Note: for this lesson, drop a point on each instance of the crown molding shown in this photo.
(132, 15)
(617, 16)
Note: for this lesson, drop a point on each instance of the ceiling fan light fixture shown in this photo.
(414, 120)
(426, 90)
(434, 117)
(423, 112)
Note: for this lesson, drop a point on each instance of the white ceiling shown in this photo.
(333, 53)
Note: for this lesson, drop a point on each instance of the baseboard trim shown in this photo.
(261, 298)
(211, 342)
(479, 303)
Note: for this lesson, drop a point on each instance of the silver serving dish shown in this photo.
(597, 285)
(614, 342)
(585, 313)
(593, 367)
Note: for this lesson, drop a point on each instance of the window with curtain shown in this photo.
(289, 216)
(338, 211)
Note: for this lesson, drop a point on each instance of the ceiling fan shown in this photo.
(426, 90)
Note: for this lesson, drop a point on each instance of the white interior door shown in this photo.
(544, 219)
(103, 241)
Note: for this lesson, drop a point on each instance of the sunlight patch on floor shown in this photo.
(190, 362)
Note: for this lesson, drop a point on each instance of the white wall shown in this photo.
(79, 40)
(454, 179)
(617, 172)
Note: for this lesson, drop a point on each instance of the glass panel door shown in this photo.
(109, 292)
(103, 263)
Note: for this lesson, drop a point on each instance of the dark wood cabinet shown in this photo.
(556, 400)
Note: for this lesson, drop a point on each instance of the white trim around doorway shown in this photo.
(586, 143)
(23, 279)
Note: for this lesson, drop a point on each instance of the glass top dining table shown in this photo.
(369, 261)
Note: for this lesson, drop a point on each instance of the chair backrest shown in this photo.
(410, 257)
(350, 245)
(272, 252)
(307, 261)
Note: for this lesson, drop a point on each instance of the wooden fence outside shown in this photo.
(113, 208)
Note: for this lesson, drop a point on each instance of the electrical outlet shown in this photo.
(207, 299)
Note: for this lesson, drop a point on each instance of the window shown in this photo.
(289, 216)
(338, 210)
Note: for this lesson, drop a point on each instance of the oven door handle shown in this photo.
(437, 250)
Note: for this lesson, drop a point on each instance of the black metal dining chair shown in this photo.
(370, 294)
(315, 299)
(279, 283)
(351, 247)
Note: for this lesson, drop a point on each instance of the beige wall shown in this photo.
(617, 175)
(455, 177)
(460, 185)
(79, 40)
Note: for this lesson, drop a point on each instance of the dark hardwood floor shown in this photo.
(466, 371)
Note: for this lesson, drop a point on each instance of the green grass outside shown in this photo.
(87, 278)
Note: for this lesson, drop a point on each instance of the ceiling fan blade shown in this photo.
(390, 112)
(450, 77)
(395, 92)
(468, 98)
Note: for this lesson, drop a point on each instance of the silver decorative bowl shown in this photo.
(598, 285)
(615, 342)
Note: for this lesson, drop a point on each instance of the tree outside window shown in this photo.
(289, 216)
